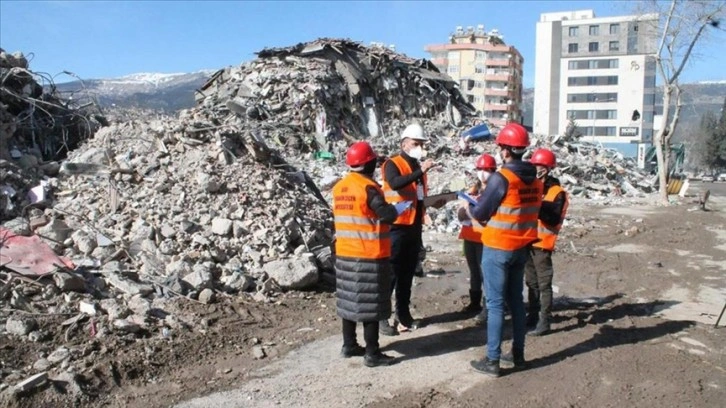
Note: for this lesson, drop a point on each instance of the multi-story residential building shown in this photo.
(598, 73)
(488, 71)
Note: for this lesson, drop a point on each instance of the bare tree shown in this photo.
(682, 25)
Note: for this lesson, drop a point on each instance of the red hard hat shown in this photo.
(543, 157)
(359, 153)
(513, 135)
(486, 162)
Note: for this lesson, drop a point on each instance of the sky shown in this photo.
(95, 39)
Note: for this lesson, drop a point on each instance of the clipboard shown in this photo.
(446, 197)
(466, 197)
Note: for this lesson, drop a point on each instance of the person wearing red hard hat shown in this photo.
(538, 271)
(471, 234)
(508, 209)
(362, 254)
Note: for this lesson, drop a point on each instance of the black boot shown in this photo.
(474, 305)
(515, 360)
(486, 366)
(378, 359)
(352, 351)
(386, 329)
(532, 318)
(543, 325)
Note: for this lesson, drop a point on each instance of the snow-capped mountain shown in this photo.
(158, 91)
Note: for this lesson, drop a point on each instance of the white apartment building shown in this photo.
(599, 72)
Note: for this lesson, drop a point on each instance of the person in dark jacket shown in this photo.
(508, 208)
(404, 179)
(363, 249)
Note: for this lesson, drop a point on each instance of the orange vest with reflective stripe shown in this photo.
(470, 229)
(407, 193)
(548, 234)
(358, 233)
(514, 225)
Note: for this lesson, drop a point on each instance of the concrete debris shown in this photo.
(38, 127)
(31, 382)
(232, 197)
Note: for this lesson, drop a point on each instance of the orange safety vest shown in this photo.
(546, 233)
(407, 193)
(358, 233)
(514, 225)
(470, 229)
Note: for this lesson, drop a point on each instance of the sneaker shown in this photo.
(509, 361)
(486, 366)
(386, 329)
(407, 321)
(378, 359)
(355, 350)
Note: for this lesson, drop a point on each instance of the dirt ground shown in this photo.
(638, 289)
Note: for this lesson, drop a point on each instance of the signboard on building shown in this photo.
(641, 154)
(629, 131)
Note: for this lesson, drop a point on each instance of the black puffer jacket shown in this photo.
(363, 286)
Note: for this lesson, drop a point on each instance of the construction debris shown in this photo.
(37, 128)
(230, 198)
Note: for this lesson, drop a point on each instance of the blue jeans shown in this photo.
(504, 281)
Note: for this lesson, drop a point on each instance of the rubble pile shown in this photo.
(37, 128)
(312, 95)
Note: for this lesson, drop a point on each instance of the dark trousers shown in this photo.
(370, 335)
(472, 252)
(405, 245)
(538, 275)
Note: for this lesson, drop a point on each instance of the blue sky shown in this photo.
(115, 38)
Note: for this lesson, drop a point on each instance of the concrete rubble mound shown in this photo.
(37, 128)
(311, 95)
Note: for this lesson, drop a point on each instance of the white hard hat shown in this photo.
(414, 131)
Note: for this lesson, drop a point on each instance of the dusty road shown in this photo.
(638, 289)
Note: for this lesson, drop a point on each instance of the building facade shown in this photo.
(488, 71)
(597, 74)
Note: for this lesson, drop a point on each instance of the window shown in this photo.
(453, 69)
(453, 57)
(594, 30)
(635, 27)
(479, 69)
(593, 64)
(573, 32)
(614, 45)
(592, 97)
(572, 47)
(480, 55)
(592, 80)
(592, 47)
(614, 29)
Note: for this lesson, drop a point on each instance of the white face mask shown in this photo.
(541, 172)
(417, 153)
(483, 175)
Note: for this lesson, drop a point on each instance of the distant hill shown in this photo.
(150, 91)
(698, 98)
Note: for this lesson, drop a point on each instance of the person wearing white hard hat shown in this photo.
(404, 179)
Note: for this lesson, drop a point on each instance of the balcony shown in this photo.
(498, 77)
(496, 107)
(499, 63)
(499, 92)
